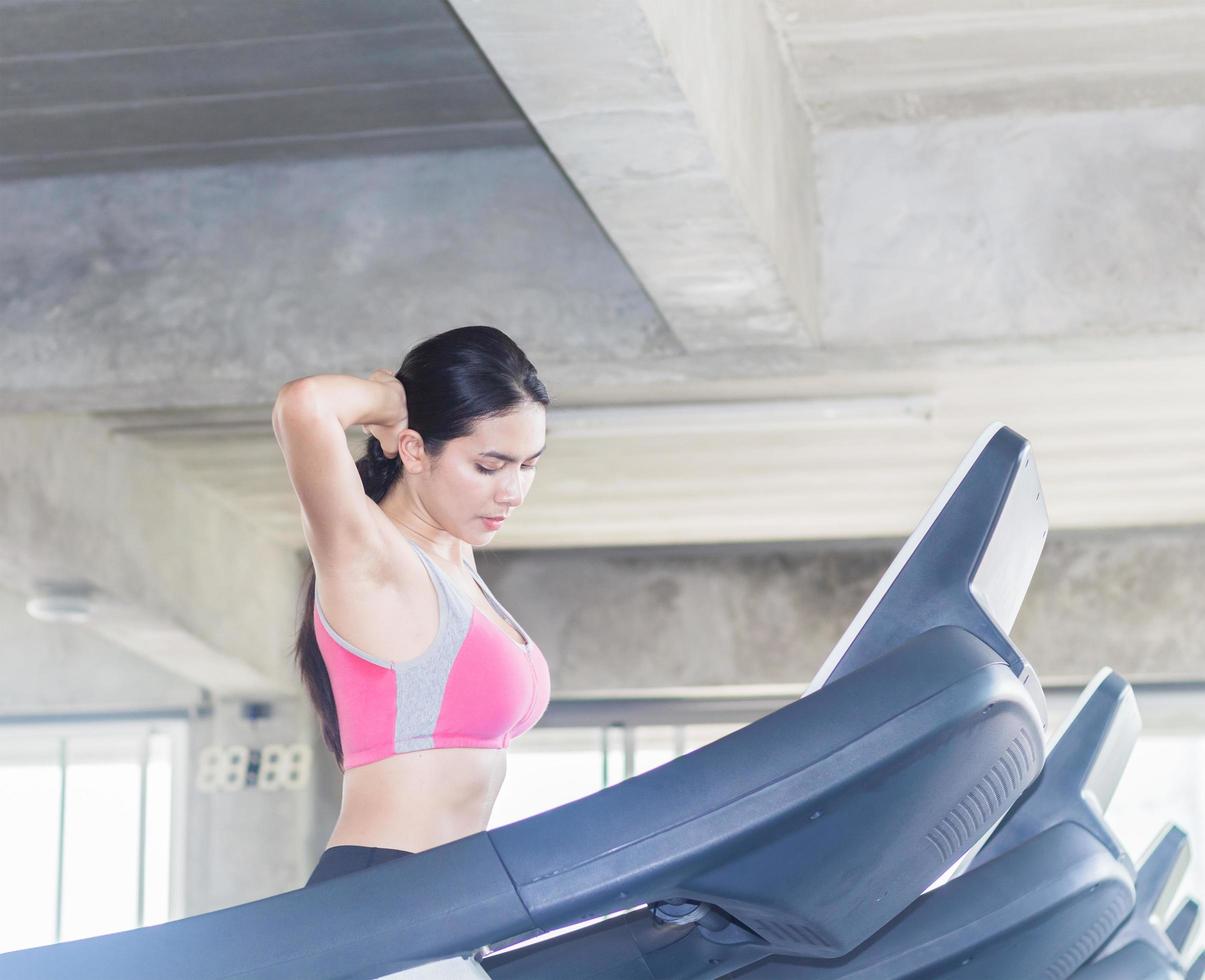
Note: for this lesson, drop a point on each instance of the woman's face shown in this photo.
(486, 474)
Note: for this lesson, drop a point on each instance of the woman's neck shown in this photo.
(412, 519)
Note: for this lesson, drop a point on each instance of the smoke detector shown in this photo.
(61, 602)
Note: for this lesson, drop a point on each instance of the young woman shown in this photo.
(421, 679)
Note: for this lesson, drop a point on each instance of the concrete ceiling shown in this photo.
(999, 209)
(90, 85)
(1117, 444)
(895, 221)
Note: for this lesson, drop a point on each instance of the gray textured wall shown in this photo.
(53, 667)
(769, 614)
(251, 843)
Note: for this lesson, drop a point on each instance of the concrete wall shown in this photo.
(768, 614)
(1010, 227)
(47, 668)
(250, 843)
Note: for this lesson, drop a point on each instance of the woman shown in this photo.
(420, 677)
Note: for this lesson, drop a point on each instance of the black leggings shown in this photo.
(343, 859)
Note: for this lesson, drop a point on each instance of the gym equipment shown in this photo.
(990, 512)
(1183, 927)
(1141, 948)
(802, 834)
(1045, 890)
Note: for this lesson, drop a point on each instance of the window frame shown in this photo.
(137, 724)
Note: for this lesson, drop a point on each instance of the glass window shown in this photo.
(31, 787)
(548, 767)
(1163, 783)
(101, 829)
(554, 765)
(656, 745)
(88, 850)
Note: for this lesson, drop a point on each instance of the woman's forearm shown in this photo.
(351, 400)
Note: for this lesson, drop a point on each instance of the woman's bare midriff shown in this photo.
(419, 800)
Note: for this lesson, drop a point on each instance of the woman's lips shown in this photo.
(493, 522)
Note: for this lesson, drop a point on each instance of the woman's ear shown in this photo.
(411, 451)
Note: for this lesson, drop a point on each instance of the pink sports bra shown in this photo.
(473, 687)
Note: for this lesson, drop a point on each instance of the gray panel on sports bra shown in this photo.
(421, 682)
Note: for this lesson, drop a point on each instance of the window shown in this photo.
(91, 827)
(1164, 783)
(553, 765)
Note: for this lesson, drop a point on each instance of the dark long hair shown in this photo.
(452, 381)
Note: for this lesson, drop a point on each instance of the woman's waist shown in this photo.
(417, 804)
(427, 779)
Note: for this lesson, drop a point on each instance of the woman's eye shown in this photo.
(487, 469)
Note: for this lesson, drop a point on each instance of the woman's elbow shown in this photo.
(296, 398)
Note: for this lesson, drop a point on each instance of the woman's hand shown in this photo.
(388, 433)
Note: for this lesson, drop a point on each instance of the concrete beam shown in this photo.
(1118, 444)
(678, 124)
(874, 63)
(215, 301)
(213, 286)
(183, 580)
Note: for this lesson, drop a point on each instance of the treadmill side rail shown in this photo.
(884, 777)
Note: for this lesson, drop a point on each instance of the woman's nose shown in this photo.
(511, 492)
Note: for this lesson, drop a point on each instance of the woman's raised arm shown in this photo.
(310, 418)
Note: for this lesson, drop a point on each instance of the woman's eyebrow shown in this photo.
(494, 454)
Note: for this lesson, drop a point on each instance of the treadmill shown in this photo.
(1142, 949)
(1183, 926)
(1045, 890)
(802, 834)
